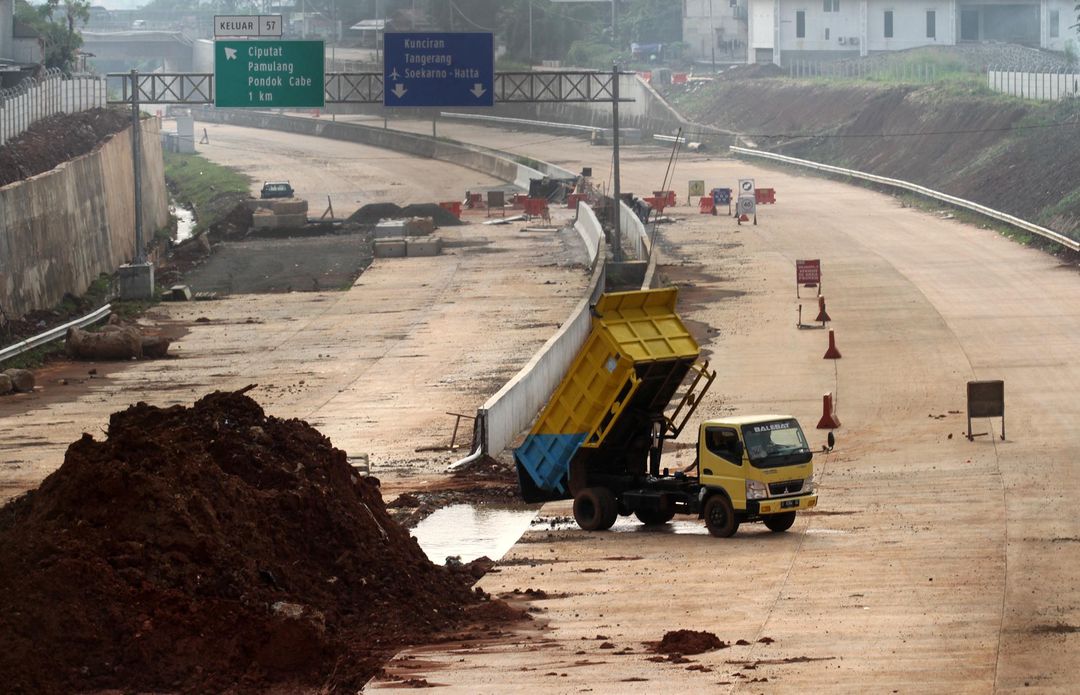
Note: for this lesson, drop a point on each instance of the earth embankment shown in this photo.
(1013, 155)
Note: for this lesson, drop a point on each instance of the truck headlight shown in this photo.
(756, 490)
(809, 484)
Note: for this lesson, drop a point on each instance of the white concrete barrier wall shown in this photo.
(1044, 86)
(635, 238)
(517, 403)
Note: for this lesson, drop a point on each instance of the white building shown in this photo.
(715, 30)
(7, 29)
(783, 30)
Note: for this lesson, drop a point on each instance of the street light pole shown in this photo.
(712, 37)
(615, 179)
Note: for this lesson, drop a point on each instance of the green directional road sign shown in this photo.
(269, 74)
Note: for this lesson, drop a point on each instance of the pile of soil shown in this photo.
(232, 217)
(688, 642)
(213, 548)
(57, 139)
(372, 213)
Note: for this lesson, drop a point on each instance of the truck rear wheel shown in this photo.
(595, 509)
(720, 516)
(778, 523)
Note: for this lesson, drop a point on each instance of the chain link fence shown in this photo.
(36, 98)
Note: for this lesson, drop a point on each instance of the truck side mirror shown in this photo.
(831, 440)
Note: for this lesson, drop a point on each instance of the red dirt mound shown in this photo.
(688, 642)
(212, 549)
(57, 139)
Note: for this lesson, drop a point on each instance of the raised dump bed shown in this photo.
(636, 356)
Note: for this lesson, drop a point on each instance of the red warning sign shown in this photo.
(808, 272)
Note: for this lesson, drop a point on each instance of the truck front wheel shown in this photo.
(595, 509)
(778, 523)
(720, 516)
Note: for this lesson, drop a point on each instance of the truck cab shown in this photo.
(761, 468)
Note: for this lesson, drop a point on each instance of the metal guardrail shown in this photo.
(522, 122)
(54, 334)
(921, 190)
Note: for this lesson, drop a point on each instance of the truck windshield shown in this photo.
(776, 443)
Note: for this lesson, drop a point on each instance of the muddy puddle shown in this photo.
(470, 532)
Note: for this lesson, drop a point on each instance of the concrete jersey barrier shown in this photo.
(478, 159)
(513, 407)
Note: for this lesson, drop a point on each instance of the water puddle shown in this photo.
(185, 221)
(470, 532)
(629, 524)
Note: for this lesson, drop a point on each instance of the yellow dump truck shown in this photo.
(635, 384)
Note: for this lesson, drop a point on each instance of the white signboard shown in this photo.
(234, 25)
(746, 188)
(747, 206)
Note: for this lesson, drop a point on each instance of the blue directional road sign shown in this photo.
(438, 69)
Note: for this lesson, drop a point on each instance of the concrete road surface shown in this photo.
(933, 564)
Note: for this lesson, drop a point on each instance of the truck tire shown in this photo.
(595, 509)
(720, 516)
(778, 523)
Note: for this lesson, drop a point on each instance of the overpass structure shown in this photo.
(174, 48)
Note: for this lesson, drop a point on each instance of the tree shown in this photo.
(58, 23)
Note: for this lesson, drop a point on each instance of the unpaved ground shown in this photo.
(351, 175)
(375, 368)
(933, 564)
(257, 265)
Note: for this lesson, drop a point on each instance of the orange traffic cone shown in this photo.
(832, 353)
(822, 315)
(828, 420)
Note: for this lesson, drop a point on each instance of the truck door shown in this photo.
(721, 464)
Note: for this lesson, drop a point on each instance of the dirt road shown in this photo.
(376, 368)
(933, 564)
(351, 175)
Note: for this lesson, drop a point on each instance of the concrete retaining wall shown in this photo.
(478, 159)
(61, 229)
(510, 411)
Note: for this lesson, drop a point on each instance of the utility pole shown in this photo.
(712, 37)
(616, 189)
(530, 32)
(614, 25)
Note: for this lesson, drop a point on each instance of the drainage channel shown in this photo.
(185, 221)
